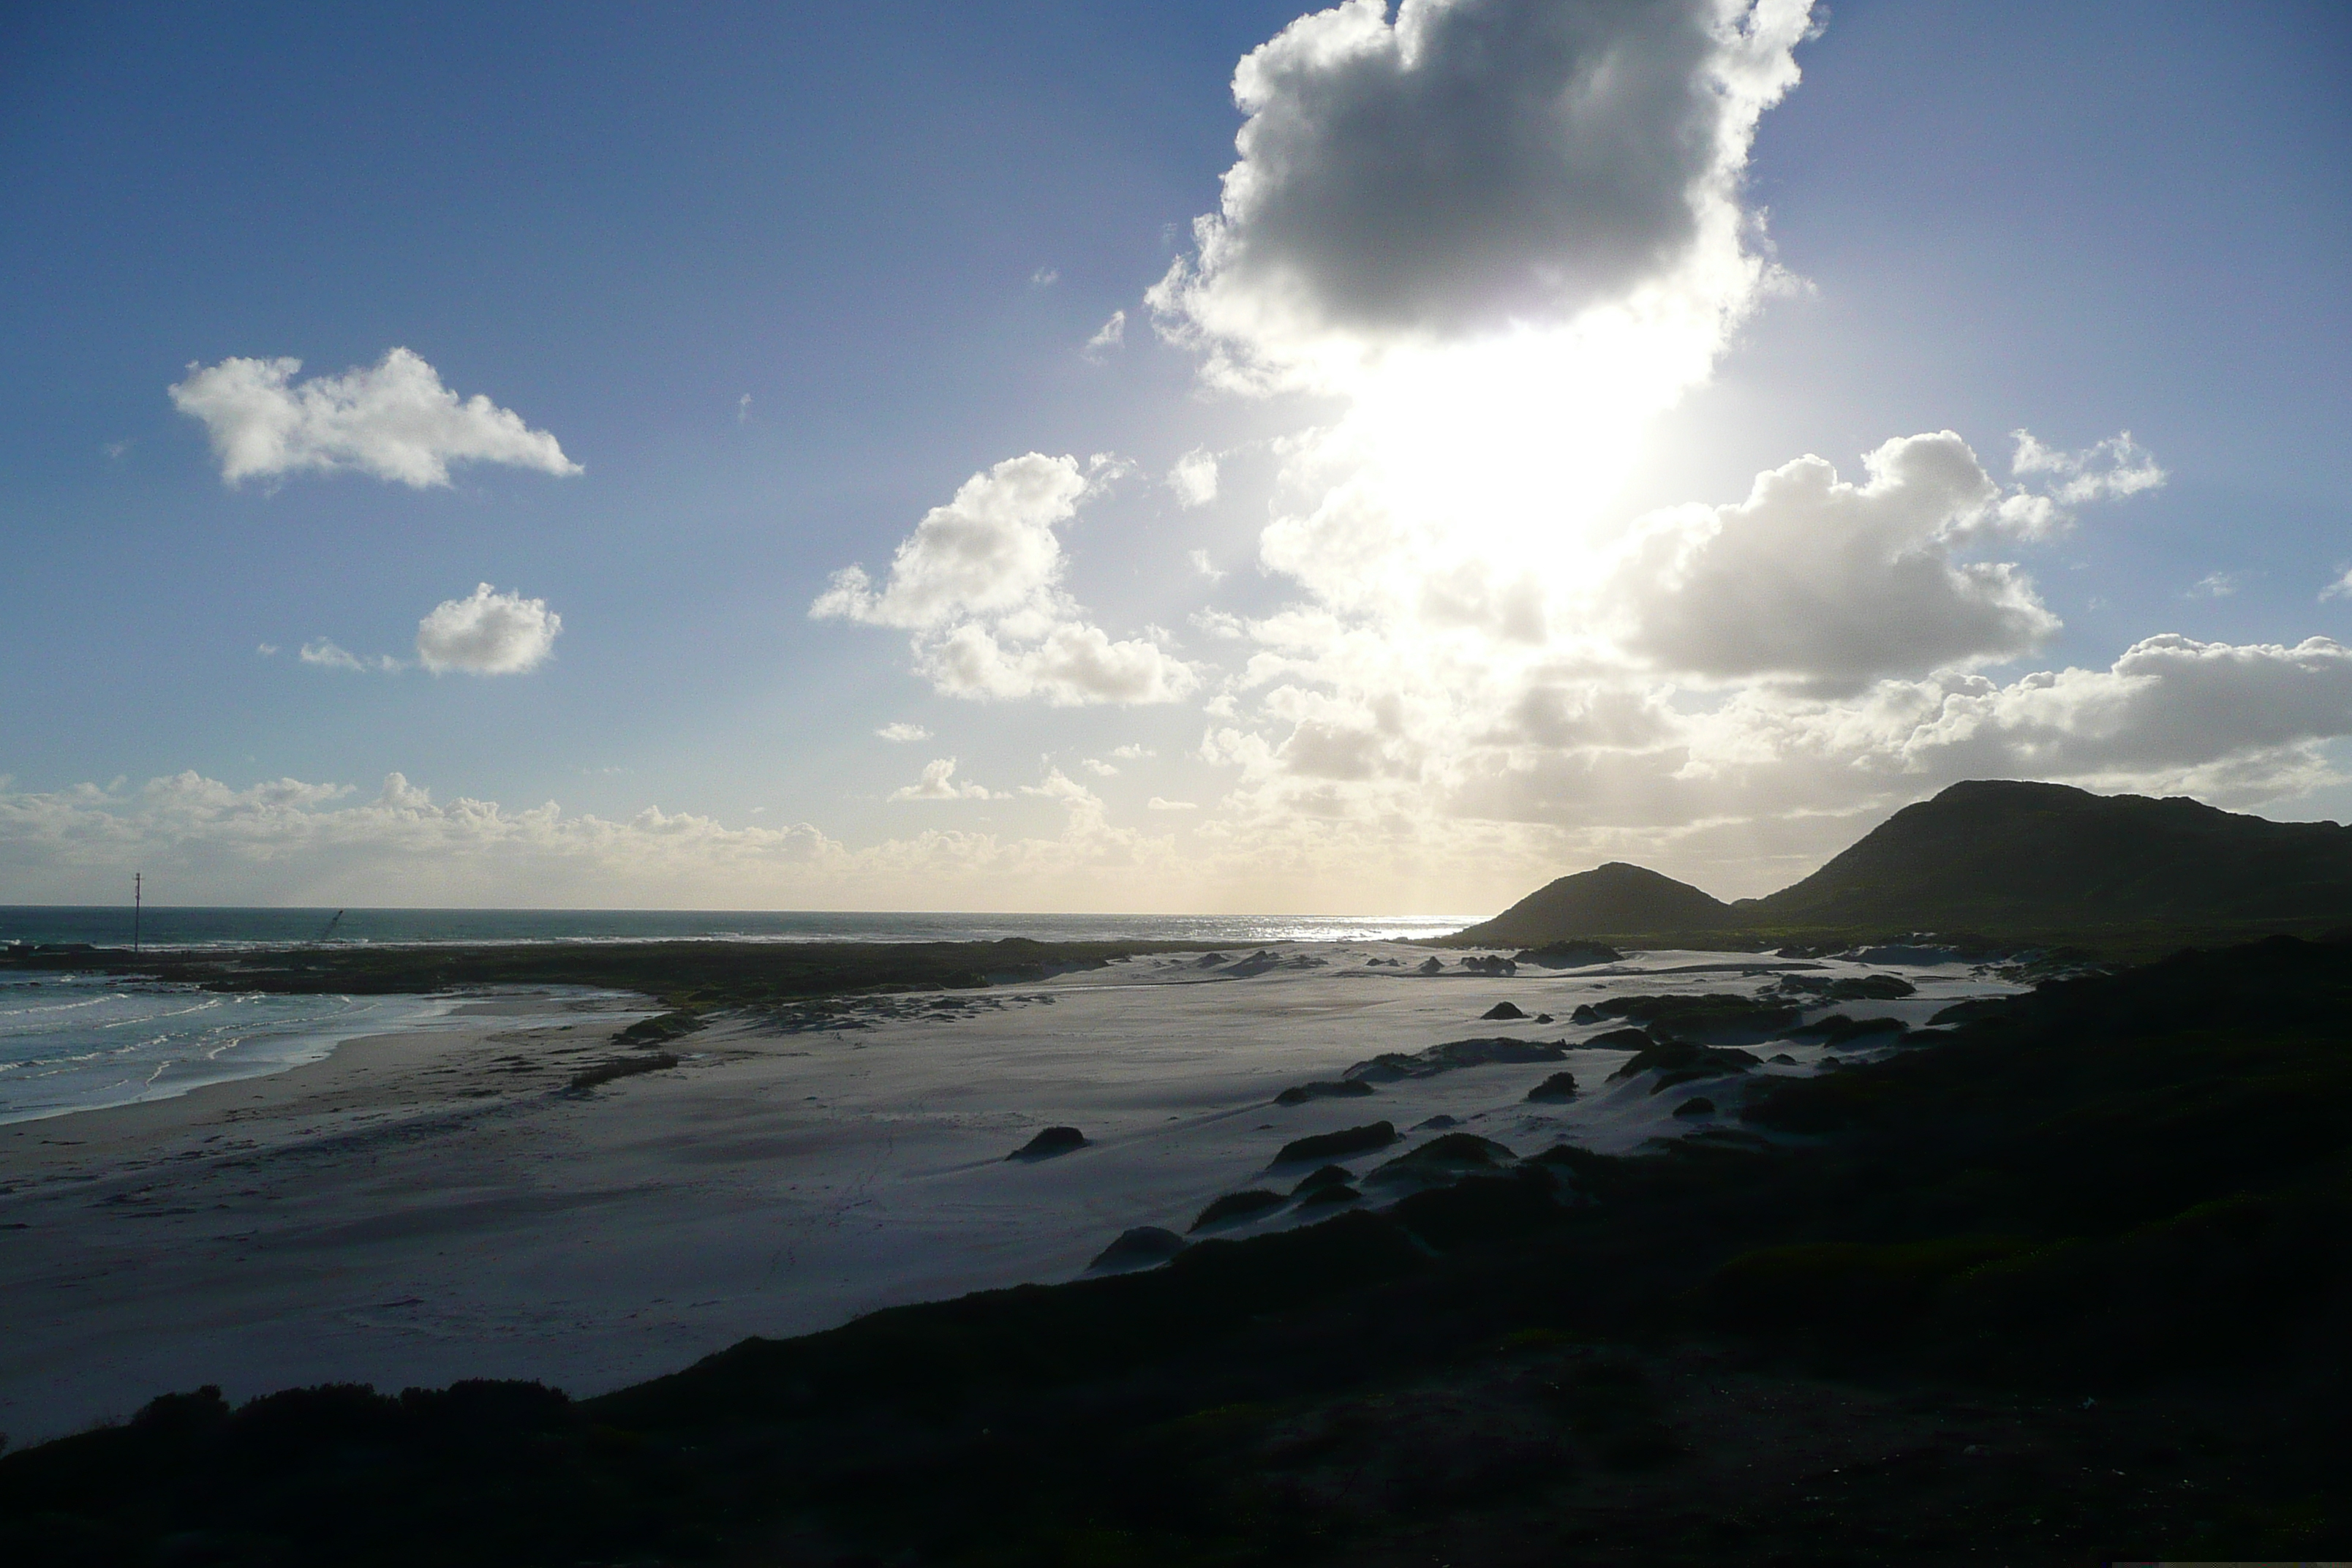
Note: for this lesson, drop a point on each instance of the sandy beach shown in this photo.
(439, 1203)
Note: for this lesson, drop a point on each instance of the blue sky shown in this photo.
(893, 228)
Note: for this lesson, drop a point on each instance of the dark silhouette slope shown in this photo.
(1611, 899)
(1988, 856)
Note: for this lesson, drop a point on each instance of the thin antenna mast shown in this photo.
(138, 896)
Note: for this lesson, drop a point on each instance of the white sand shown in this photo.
(434, 1205)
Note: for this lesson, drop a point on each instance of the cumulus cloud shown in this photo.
(487, 633)
(978, 583)
(288, 841)
(2339, 589)
(1099, 768)
(1157, 804)
(1133, 752)
(938, 782)
(1819, 579)
(900, 734)
(1474, 167)
(395, 420)
(1194, 478)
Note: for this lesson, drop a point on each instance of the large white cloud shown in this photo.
(938, 782)
(978, 583)
(488, 633)
(396, 421)
(1825, 580)
(1473, 166)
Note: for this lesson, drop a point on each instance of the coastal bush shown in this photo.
(1338, 1146)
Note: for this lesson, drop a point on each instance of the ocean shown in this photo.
(78, 1042)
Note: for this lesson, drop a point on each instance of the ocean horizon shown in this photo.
(214, 928)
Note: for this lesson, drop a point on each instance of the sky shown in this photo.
(1223, 457)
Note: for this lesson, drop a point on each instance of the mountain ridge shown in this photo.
(1991, 856)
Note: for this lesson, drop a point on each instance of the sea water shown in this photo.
(81, 1042)
(232, 928)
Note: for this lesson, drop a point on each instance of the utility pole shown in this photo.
(138, 893)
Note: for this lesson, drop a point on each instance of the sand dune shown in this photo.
(438, 1205)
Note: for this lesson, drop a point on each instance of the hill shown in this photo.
(1995, 857)
(1609, 899)
(1999, 855)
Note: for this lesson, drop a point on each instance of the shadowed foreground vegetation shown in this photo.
(2070, 1285)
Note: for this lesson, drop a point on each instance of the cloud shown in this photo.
(978, 583)
(1194, 478)
(487, 633)
(1134, 751)
(2217, 584)
(1044, 277)
(328, 655)
(938, 782)
(2108, 470)
(1157, 804)
(1100, 769)
(1815, 578)
(1203, 565)
(396, 421)
(743, 409)
(266, 650)
(901, 732)
(287, 842)
(1478, 166)
(2339, 589)
(1111, 335)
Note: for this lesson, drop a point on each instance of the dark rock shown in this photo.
(1139, 1248)
(1781, 1059)
(1432, 966)
(1619, 1040)
(1346, 1089)
(1491, 1051)
(1209, 961)
(1490, 963)
(1339, 1193)
(1697, 1105)
(1569, 954)
(1972, 1010)
(1502, 1010)
(1586, 1012)
(1328, 1177)
(1436, 1124)
(1543, 1017)
(1559, 1086)
(1338, 1146)
(1235, 1206)
(1715, 1015)
(1052, 1142)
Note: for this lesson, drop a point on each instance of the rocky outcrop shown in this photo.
(1338, 1146)
(1052, 1142)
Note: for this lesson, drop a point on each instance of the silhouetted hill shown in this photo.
(1995, 855)
(1610, 900)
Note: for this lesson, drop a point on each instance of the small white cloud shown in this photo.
(1132, 754)
(488, 633)
(266, 650)
(2339, 589)
(1201, 564)
(114, 449)
(328, 655)
(902, 733)
(1220, 623)
(743, 409)
(1100, 769)
(1044, 277)
(1194, 478)
(2109, 470)
(1111, 335)
(1157, 804)
(396, 421)
(938, 782)
(2217, 584)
